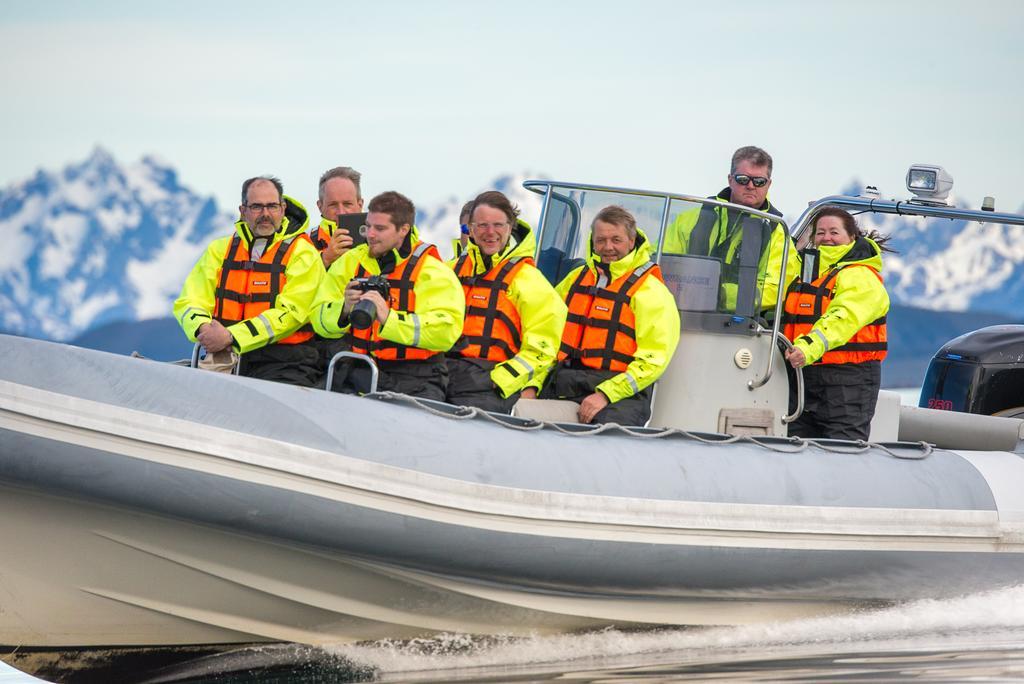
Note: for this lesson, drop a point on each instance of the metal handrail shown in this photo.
(374, 373)
(540, 187)
(776, 320)
(901, 208)
(799, 388)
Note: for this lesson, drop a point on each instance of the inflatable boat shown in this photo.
(152, 513)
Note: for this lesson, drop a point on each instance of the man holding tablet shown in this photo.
(340, 195)
(341, 217)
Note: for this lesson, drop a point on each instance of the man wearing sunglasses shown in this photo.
(718, 232)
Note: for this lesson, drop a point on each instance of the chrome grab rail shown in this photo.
(799, 388)
(901, 208)
(374, 373)
(776, 321)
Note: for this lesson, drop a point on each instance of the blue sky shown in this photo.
(437, 98)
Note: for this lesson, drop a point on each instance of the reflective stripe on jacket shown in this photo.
(840, 316)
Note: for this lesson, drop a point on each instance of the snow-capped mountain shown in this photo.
(953, 265)
(100, 242)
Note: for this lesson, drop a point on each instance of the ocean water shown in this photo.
(977, 638)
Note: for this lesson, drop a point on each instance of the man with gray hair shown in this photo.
(622, 328)
(250, 292)
(340, 194)
(718, 232)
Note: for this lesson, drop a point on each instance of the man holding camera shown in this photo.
(394, 300)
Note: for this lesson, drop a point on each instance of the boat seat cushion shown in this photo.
(548, 410)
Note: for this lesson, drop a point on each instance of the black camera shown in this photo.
(364, 313)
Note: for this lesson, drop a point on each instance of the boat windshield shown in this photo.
(713, 255)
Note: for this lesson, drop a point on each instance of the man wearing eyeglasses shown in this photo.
(514, 318)
(250, 292)
(718, 232)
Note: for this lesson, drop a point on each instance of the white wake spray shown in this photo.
(915, 624)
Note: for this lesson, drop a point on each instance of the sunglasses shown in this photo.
(743, 179)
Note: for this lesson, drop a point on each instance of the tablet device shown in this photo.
(355, 224)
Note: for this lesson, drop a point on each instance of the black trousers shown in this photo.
(295, 364)
(427, 379)
(576, 384)
(326, 348)
(839, 400)
(469, 384)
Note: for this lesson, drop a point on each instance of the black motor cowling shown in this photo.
(980, 372)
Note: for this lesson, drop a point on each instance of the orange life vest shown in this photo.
(493, 329)
(403, 298)
(600, 331)
(247, 288)
(805, 304)
(320, 238)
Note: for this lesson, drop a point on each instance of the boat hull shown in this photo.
(149, 506)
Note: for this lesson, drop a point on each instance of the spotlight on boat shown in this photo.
(930, 184)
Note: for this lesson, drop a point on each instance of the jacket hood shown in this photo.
(640, 255)
(295, 221)
(521, 243)
(861, 251)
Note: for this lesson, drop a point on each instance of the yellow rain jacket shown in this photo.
(657, 322)
(289, 312)
(860, 297)
(725, 242)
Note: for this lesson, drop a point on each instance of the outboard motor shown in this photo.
(980, 372)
